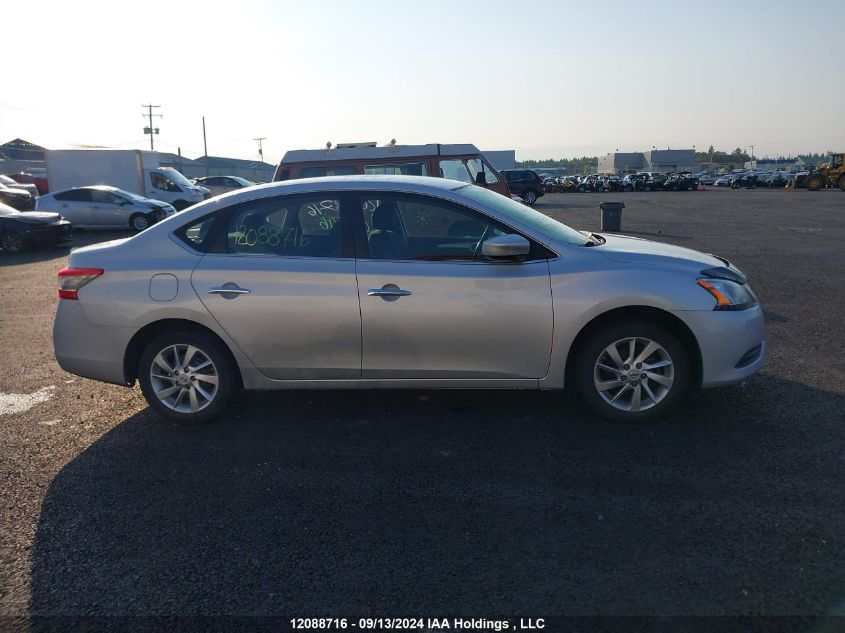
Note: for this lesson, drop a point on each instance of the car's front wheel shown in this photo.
(633, 370)
(140, 222)
(187, 376)
(12, 242)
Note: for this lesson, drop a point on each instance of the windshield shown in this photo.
(176, 177)
(520, 213)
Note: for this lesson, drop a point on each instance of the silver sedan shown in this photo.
(399, 282)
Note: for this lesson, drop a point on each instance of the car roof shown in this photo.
(98, 187)
(407, 184)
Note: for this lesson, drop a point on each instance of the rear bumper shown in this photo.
(86, 349)
(732, 344)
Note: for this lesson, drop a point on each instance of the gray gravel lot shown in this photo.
(461, 503)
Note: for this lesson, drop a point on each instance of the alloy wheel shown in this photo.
(633, 374)
(184, 378)
(12, 243)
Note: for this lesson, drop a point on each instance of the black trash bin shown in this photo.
(611, 216)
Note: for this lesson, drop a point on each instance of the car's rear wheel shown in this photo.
(139, 222)
(530, 196)
(12, 242)
(633, 370)
(187, 376)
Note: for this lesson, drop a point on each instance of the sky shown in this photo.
(549, 79)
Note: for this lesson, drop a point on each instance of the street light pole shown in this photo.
(204, 146)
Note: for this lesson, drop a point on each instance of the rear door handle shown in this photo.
(381, 292)
(388, 292)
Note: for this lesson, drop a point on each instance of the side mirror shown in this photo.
(480, 179)
(505, 246)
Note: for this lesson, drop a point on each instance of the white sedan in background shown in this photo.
(222, 184)
(104, 207)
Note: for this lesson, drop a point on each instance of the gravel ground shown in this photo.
(455, 503)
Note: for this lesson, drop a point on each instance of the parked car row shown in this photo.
(642, 181)
(751, 179)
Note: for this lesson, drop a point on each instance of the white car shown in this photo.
(222, 184)
(104, 207)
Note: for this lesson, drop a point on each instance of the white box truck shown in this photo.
(130, 169)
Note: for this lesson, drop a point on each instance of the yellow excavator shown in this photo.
(830, 174)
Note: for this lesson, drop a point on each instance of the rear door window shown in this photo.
(301, 226)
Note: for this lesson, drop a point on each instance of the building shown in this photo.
(669, 160)
(659, 160)
(253, 170)
(19, 149)
(621, 163)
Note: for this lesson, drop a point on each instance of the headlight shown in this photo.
(729, 294)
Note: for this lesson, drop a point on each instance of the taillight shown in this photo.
(72, 279)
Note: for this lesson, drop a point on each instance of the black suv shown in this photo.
(524, 183)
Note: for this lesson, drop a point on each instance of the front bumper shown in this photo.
(732, 344)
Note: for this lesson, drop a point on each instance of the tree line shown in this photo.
(728, 159)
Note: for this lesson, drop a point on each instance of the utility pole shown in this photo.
(151, 130)
(204, 146)
(752, 152)
(260, 146)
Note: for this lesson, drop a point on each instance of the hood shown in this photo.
(15, 191)
(42, 217)
(633, 250)
(152, 202)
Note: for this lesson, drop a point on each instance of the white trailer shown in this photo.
(133, 170)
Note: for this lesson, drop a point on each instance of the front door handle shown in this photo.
(388, 292)
(229, 289)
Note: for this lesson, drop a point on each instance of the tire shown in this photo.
(618, 402)
(530, 197)
(814, 182)
(12, 242)
(189, 396)
(139, 221)
(842, 182)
